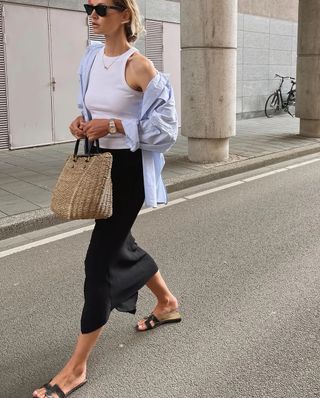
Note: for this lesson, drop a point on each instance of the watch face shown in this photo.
(112, 127)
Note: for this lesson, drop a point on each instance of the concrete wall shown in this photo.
(163, 10)
(172, 60)
(265, 46)
(278, 9)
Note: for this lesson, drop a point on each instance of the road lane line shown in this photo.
(171, 203)
(148, 210)
(303, 164)
(78, 231)
(209, 191)
(45, 241)
(281, 170)
(162, 206)
(269, 173)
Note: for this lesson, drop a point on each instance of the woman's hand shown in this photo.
(76, 127)
(95, 129)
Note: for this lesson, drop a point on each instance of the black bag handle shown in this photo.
(87, 144)
(87, 147)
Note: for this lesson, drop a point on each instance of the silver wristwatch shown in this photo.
(112, 127)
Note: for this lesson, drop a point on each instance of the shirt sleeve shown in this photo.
(79, 101)
(79, 98)
(157, 128)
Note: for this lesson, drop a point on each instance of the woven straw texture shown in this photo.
(84, 188)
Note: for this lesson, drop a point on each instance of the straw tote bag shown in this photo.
(84, 187)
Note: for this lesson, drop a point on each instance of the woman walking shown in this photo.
(129, 107)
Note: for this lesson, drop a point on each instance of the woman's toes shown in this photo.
(41, 393)
(141, 322)
(142, 326)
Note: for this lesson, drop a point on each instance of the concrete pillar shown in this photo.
(208, 87)
(308, 68)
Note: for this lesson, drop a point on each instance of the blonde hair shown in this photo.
(134, 27)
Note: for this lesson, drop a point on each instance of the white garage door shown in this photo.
(43, 50)
(28, 74)
(69, 38)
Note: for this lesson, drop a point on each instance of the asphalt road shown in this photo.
(244, 263)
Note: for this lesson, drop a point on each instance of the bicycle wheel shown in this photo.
(272, 106)
(291, 105)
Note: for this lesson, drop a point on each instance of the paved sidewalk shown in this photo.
(27, 176)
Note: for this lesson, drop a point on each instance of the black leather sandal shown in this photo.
(57, 390)
(171, 317)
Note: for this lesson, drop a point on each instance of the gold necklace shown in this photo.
(109, 66)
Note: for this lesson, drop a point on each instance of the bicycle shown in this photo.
(275, 102)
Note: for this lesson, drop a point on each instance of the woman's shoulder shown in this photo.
(142, 68)
(140, 63)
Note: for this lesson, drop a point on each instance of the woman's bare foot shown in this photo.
(68, 378)
(164, 307)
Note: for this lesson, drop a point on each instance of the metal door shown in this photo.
(69, 38)
(28, 75)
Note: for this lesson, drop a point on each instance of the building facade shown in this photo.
(42, 41)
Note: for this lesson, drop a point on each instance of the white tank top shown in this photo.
(109, 95)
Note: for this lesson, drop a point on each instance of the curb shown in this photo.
(27, 222)
(44, 218)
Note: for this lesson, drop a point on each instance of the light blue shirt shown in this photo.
(154, 131)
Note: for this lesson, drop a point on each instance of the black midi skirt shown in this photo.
(115, 266)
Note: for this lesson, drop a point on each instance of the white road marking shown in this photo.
(257, 177)
(41, 242)
(303, 164)
(281, 170)
(209, 191)
(148, 210)
(78, 231)
(171, 203)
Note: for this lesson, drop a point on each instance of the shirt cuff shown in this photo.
(131, 130)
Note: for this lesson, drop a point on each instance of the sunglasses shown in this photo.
(101, 9)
